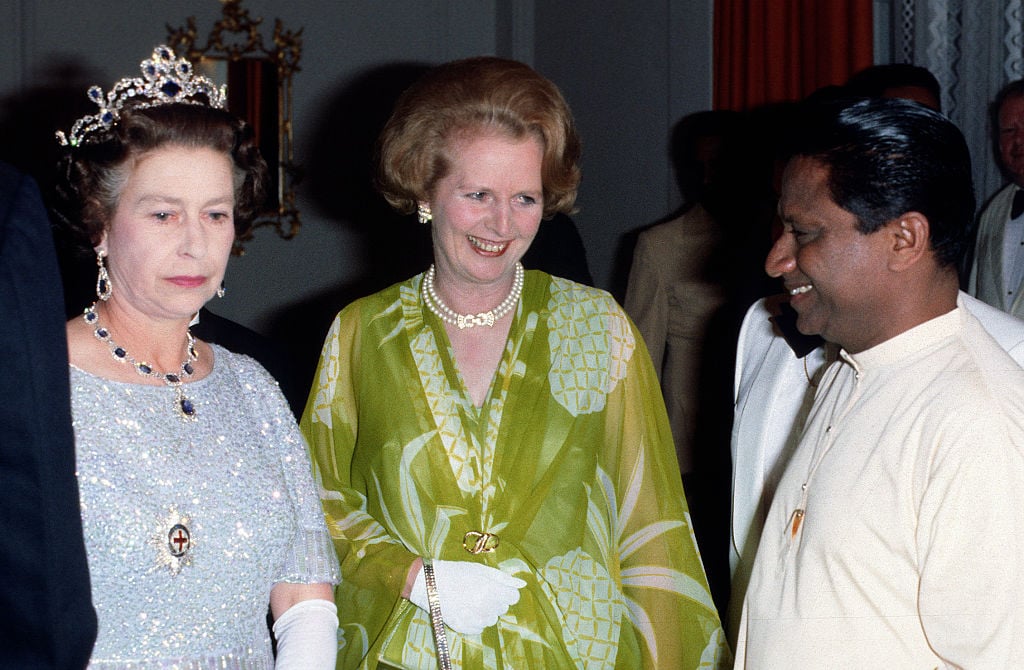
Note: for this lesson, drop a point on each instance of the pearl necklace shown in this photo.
(488, 318)
(185, 408)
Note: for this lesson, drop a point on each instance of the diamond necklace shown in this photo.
(185, 408)
(448, 315)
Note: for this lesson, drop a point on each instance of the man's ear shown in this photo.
(910, 236)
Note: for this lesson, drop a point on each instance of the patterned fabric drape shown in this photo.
(777, 50)
(973, 47)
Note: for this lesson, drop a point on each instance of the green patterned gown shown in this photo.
(569, 462)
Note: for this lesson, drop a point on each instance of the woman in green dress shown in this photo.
(495, 462)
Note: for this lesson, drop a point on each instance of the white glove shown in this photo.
(307, 636)
(472, 595)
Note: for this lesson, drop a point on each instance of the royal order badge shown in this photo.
(174, 541)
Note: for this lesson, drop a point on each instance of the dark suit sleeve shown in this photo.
(48, 618)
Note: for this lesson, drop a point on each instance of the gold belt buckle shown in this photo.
(476, 542)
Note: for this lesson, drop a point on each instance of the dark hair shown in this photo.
(91, 177)
(874, 81)
(887, 157)
(470, 95)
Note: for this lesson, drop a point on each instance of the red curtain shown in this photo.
(777, 50)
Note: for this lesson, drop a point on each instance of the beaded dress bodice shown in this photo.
(189, 524)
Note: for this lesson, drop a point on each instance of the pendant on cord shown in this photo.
(798, 519)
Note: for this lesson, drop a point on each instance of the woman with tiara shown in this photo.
(198, 504)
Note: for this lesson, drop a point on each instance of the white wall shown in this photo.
(630, 72)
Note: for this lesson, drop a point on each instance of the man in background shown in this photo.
(997, 271)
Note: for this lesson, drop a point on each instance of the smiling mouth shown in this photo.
(489, 247)
(797, 290)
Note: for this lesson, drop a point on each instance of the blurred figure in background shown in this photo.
(675, 286)
(997, 269)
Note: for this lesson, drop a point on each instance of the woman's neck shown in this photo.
(163, 343)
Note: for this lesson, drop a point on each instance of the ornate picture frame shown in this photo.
(259, 85)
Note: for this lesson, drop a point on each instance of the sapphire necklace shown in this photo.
(185, 408)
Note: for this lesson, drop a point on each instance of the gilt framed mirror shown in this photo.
(259, 89)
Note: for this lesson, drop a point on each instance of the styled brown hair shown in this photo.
(92, 176)
(472, 95)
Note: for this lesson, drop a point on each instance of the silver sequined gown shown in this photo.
(189, 524)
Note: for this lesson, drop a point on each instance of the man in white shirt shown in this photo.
(997, 270)
(777, 372)
(892, 537)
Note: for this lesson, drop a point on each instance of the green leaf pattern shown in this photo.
(425, 480)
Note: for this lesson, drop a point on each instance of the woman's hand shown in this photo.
(472, 595)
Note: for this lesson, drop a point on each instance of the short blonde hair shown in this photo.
(476, 94)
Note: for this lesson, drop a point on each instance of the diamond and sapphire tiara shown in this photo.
(165, 80)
